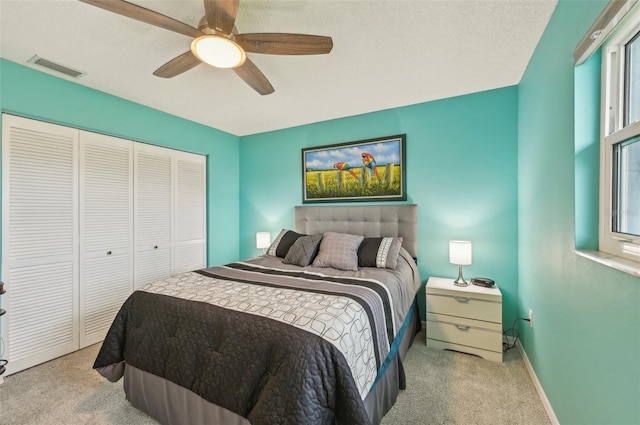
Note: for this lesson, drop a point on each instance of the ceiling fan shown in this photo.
(217, 43)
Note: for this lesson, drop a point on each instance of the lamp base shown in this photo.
(460, 280)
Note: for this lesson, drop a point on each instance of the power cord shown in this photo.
(3, 362)
(514, 334)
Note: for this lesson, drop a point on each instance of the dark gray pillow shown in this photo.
(303, 250)
(338, 250)
(283, 242)
(379, 252)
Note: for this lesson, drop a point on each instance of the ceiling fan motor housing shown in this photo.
(203, 26)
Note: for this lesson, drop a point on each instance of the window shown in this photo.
(620, 145)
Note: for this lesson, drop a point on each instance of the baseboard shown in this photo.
(538, 386)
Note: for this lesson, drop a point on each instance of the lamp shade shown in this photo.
(263, 240)
(460, 253)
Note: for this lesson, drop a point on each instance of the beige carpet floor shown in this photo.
(443, 387)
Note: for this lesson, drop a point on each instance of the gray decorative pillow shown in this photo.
(338, 250)
(303, 250)
(379, 252)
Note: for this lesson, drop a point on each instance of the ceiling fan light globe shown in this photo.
(218, 51)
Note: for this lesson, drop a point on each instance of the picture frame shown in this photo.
(361, 171)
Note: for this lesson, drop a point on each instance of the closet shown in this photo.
(86, 219)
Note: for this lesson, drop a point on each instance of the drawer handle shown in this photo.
(462, 327)
(462, 299)
(108, 252)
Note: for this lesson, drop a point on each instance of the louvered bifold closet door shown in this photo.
(106, 232)
(153, 209)
(39, 241)
(190, 212)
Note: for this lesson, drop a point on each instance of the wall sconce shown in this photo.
(460, 254)
(263, 240)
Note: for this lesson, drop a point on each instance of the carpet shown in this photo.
(443, 387)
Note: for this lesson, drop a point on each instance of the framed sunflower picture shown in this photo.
(366, 170)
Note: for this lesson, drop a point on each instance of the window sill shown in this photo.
(609, 260)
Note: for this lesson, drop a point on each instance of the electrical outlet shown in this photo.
(530, 318)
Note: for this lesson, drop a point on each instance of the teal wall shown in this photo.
(587, 151)
(461, 171)
(34, 94)
(585, 345)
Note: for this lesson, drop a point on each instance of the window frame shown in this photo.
(613, 131)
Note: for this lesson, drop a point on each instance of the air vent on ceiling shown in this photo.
(69, 72)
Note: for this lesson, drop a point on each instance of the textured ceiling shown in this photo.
(386, 54)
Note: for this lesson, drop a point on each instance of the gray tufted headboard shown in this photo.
(365, 220)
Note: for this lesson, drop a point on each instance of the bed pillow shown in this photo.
(303, 250)
(283, 243)
(338, 250)
(379, 252)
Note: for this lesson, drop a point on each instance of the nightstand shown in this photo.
(464, 318)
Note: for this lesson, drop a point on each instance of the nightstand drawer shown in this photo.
(465, 306)
(467, 332)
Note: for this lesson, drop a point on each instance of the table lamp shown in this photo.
(460, 254)
(263, 240)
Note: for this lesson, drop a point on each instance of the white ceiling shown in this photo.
(386, 54)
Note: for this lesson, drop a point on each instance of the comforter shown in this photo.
(270, 342)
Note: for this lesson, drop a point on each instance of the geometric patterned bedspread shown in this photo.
(355, 315)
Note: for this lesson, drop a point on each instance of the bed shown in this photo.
(272, 340)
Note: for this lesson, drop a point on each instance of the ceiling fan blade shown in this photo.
(140, 13)
(221, 14)
(251, 75)
(177, 66)
(285, 44)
